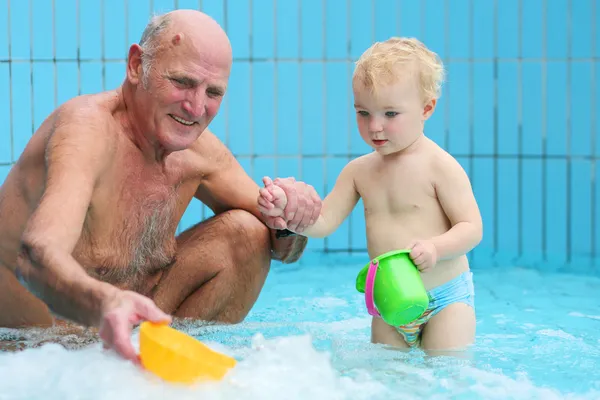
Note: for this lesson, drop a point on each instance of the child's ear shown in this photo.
(429, 108)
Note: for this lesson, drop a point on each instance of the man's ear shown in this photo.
(134, 64)
(429, 108)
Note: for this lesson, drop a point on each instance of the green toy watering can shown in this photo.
(393, 288)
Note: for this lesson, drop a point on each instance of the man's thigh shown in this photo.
(223, 259)
(19, 307)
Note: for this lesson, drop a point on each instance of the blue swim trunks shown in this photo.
(458, 290)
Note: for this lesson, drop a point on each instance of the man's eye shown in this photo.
(178, 81)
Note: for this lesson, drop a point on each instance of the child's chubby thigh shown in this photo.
(382, 333)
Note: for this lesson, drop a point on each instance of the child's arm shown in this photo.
(458, 202)
(336, 206)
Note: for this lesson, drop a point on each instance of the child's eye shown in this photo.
(391, 114)
(363, 113)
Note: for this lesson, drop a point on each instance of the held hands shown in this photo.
(271, 203)
(120, 313)
(424, 254)
(288, 204)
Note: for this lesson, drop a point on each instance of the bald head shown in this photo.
(189, 28)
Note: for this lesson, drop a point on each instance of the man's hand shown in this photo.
(303, 204)
(120, 314)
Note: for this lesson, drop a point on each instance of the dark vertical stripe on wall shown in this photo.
(471, 98)
(520, 135)
(445, 58)
(275, 98)
(350, 113)
(251, 88)
(78, 13)
(544, 129)
(495, 133)
(102, 44)
(11, 118)
(227, 102)
(31, 80)
(300, 94)
(568, 105)
(593, 133)
(324, 102)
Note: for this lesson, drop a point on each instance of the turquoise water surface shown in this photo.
(308, 338)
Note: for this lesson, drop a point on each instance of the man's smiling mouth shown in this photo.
(181, 120)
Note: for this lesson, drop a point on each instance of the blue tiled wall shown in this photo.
(518, 111)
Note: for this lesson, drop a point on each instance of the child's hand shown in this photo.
(272, 199)
(424, 254)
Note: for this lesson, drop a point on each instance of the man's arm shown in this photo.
(458, 202)
(76, 154)
(337, 205)
(226, 186)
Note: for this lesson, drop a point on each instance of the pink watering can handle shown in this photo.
(369, 284)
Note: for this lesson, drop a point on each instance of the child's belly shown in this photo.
(388, 232)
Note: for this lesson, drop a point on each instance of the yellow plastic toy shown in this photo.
(177, 357)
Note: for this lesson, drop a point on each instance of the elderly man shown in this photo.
(89, 211)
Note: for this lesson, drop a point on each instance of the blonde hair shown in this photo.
(380, 64)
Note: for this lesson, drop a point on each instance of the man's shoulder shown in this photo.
(208, 148)
(205, 156)
(86, 109)
(84, 120)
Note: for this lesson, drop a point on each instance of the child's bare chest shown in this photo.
(396, 189)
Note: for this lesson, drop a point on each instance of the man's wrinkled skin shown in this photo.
(89, 211)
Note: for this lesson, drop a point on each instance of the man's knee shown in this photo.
(235, 235)
(246, 230)
(236, 247)
(246, 221)
(236, 227)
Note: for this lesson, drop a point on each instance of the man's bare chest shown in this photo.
(133, 186)
(133, 218)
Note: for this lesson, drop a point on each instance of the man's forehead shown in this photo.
(191, 43)
(192, 56)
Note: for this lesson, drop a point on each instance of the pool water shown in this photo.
(308, 338)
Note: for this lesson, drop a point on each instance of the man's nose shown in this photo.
(195, 106)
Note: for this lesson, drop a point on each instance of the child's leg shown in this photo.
(382, 333)
(451, 329)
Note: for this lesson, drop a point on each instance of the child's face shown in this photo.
(391, 119)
